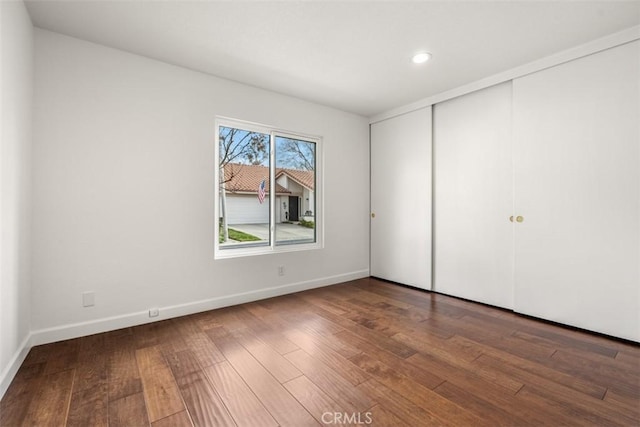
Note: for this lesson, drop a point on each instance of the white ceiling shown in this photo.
(355, 56)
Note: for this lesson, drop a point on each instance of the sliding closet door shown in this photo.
(473, 197)
(401, 199)
(577, 162)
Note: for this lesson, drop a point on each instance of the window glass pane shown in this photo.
(295, 213)
(244, 188)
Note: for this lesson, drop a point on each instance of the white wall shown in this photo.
(16, 88)
(123, 190)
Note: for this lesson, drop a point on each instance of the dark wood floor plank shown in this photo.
(421, 376)
(23, 389)
(122, 368)
(576, 339)
(540, 334)
(587, 405)
(314, 327)
(91, 371)
(610, 374)
(527, 371)
(630, 357)
(415, 392)
(491, 401)
(425, 341)
(316, 401)
(275, 363)
(206, 320)
(89, 406)
(50, 405)
(128, 411)
(410, 413)
(356, 301)
(203, 403)
(227, 317)
(484, 405)
(432, 304)
(161, 393)
(318, 350)
(499, 338)
(282, 324)
(181, 419)
(62, 355)
(338, 388)
(149, 334)
(330, 300)
(182, 363)
(624, 403)
(242, 403)
(203, 349)
(328, 341)
(381, 341)
(590, 412)
(285, 409)
(402, 317)
(380, 417)
(370, 292)
(602, 354)
(310, 317)
(467, 375)
(455, 364)
(38, 355)
(270, 331)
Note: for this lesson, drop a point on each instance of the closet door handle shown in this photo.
(520, 218)
(511, 218)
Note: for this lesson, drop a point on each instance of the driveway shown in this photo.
(284, 232)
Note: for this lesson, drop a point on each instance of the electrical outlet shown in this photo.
(88, 299)
(154, 312)
(281, 270)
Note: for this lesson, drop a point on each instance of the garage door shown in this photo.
(246, 209)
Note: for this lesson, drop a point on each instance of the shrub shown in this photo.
(308, 224)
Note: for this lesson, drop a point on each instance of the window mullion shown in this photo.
(272, 191)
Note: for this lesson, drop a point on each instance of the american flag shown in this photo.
(262, 191)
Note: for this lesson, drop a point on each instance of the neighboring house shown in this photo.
(294, 194)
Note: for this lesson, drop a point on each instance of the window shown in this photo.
(268, 193)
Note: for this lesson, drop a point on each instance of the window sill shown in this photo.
(237, 252)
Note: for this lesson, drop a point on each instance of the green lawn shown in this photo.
(238, 236)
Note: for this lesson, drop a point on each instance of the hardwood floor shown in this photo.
(363, 352)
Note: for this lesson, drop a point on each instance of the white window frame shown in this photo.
(272, 247)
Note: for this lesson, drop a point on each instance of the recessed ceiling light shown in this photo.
(421, 57)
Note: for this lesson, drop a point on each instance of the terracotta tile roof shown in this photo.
(247, 178)
(305, 178)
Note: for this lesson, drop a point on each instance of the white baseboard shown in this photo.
(10, 371)
(75, 330)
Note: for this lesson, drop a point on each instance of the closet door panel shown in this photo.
(473, 197)
(577, 162)
(401, 199)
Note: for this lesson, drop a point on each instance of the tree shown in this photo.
(238, 146)
(241, 146)
(295, 154)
